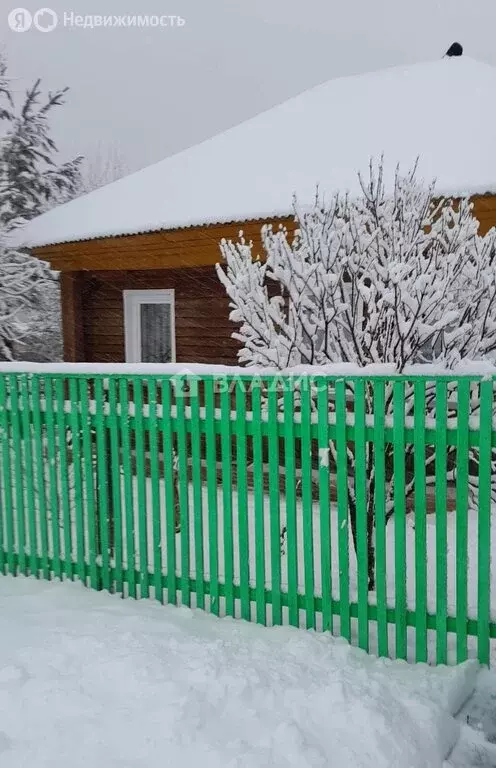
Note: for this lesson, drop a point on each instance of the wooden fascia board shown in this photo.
(167, 249)
(180, 248)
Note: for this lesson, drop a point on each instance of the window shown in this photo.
(149, 326)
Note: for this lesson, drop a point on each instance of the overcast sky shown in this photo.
(147, 93)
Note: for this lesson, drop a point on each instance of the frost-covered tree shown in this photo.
(398, 278)
(31, 181)
(41, 323)
(384, 278)
(5, 95)
(19, 276)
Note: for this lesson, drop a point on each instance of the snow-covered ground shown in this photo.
(90, 679)
(143, 520)
(87, 679)
(254, 544)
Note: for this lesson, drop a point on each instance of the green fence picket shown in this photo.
(227, 498)
(258, 498)
(380, 517)
(78, 504)
(64, 477)
(213, 521)
(196, 477)
(27, 440)
(115, 533)
(484, 523)
(38, 434)
(342, 506)
(20, 511)
(399, 493)
(289, 482)
(89, 481)
(6, 485)
(155, 492)
(53, 478)
(462, 457)
(170, 506)
(420, 506)
(441, 508)
(3, 535)
(274, 501)
(4, 512)
(306, 500)
(324, 502)
(182, 474)
(361, 513)
(242, 499)
(125, 435)
(103, 476)
(141, 499)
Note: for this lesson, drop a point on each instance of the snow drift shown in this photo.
(89, 679)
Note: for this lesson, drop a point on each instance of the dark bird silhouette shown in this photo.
(454, 50)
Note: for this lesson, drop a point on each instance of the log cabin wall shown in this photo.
(202, 326)
(485, 212)
(96, 272)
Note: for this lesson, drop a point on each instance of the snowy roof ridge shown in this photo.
(321, 136)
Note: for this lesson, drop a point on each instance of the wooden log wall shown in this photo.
(203, 328)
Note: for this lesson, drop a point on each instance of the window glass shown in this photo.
(156, 336)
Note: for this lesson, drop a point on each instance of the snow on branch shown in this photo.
(400, 278)
(31, 181)
(396, 278)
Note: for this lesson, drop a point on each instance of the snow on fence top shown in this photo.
(473, 369)
(443, 112)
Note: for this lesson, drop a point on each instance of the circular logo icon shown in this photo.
(45, 20)
(20, 19)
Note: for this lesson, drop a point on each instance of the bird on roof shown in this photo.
(455, 49)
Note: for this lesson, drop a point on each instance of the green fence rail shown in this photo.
(359, 506)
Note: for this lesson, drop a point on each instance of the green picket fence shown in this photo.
(359, 506)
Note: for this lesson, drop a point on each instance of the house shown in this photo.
(137, 256)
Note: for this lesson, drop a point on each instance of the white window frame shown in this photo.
(132, 319)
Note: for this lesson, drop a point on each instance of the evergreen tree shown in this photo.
(31, 182)
(30, 179)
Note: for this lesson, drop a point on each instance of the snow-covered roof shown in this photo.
(443, 111)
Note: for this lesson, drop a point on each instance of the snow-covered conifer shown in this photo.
(30, 182)
(30, 179)
(20, 277)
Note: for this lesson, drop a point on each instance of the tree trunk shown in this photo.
(175, 482)
(370, 533)
(370, 537)
(353, 521)
(110, 497)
